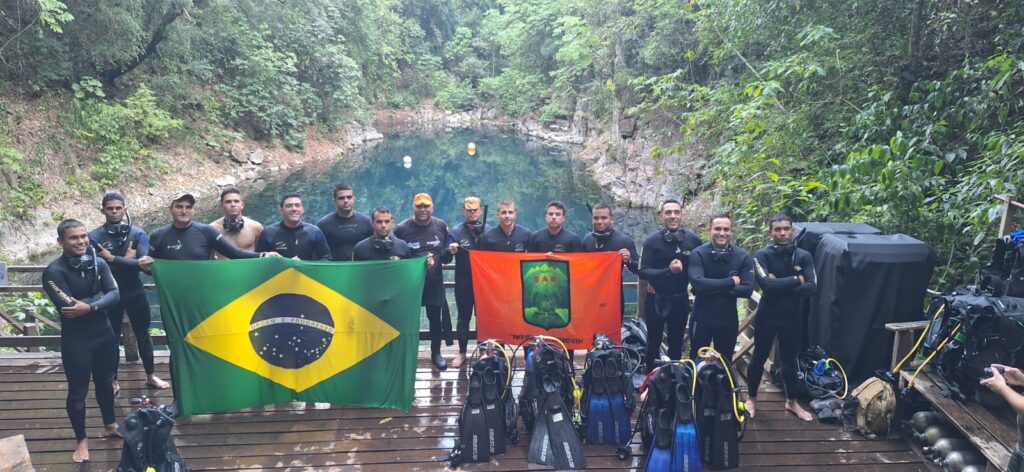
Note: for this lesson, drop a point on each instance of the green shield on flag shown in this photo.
(253, 332)
(546, 297)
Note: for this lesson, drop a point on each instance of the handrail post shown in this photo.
(1006, 223)
(32, 329)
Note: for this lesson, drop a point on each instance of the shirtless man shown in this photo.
(242, 231)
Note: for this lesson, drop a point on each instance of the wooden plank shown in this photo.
(13, 322)
(995, 447)
(35, 316)
(907, 326)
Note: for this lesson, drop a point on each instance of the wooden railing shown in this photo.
(30, 340)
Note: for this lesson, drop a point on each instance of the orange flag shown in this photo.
(568, 296)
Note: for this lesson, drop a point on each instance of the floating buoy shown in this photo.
(471, 149)
(407, 159)
(407, 162)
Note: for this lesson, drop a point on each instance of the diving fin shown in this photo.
(492, 412)
(597, 405)
(473, 424)
(660, 458)
(685, 449)
(617, 402)
(565, 446)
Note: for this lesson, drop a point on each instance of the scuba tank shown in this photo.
(720, 418)
(923, 419)
(936, 432)
(956, 461)
(944, 446)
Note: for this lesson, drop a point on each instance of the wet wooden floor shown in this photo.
(303, 436)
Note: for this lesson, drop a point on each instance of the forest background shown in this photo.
(902, 114)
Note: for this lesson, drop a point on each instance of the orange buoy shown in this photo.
(471, 149)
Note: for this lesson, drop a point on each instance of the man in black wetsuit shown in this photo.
(508, 236)
(464, 237)
(604, 238)
(720, 273)
(556, 238)
(382, 245)
(121, 245)
(663, 265)
(187, 240)
(785, 274)
(345, 226)
(81, 287)
(293, 237)
(427, 236)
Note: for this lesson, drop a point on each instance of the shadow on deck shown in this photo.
(300, 436)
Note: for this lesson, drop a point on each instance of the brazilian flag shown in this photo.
(254, 332)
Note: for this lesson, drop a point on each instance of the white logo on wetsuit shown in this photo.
(281, 245)
(176, 247)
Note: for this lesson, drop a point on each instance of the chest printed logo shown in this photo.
(175, 247)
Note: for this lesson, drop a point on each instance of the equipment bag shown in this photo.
(876, 400)
(489, 398)
(544, 359)
(148, 445)
(720, 417)
(818, 375)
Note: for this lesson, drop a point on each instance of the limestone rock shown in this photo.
(256, 157)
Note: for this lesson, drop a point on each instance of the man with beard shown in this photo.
(345, 226)
(241, 230)
(463, 238)
(663, 266)
(785, 274)
(293, 237)
(720, 273)
(426, 236)
(604, 238)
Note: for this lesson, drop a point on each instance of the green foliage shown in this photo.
(18, 304)
(54, 14)
(122, 133)
(457, 96)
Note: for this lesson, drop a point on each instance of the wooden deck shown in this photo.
(330, 437)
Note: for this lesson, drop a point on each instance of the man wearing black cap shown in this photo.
(239, 229)
(663, 266)
(556, 238)
(463, 238)
(345, 226)
(427, 236)
(184, 239)
(121, 245)
(293, 237)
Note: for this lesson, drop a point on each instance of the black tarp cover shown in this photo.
(864, 282)
(808, 234)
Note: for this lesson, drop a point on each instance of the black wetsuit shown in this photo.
(192, 243)
(496, 240)
(305, 241)
(468, 239)
(778, 312)
(343, 233)
(133, 297)
(375, 249)
(564, 241)
(87, 343)
(667, 309)
(613, 242)
(423, 240)
(714, 304)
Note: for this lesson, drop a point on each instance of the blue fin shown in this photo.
(617, 403)
(660, 457)
(598, 421)
(685, 453)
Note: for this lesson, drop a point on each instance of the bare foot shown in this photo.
(458, 360)
(81, 453)
(111, 431)
(751, 406)
(117, 388)
(156, 383)
(794, 407)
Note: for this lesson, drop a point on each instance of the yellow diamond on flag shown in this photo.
(292, 330)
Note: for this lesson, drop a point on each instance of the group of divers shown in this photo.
(97, 280)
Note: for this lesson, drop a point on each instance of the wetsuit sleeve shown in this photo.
(702, 283)
(322, 250)
(447, 257)
(577, 245)
(110, 294)
(141, 244)
(767, 284)
(810, 284)
(56, 288)
(647, 272)
(746, 285)
(634, 259)
(223, 246)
